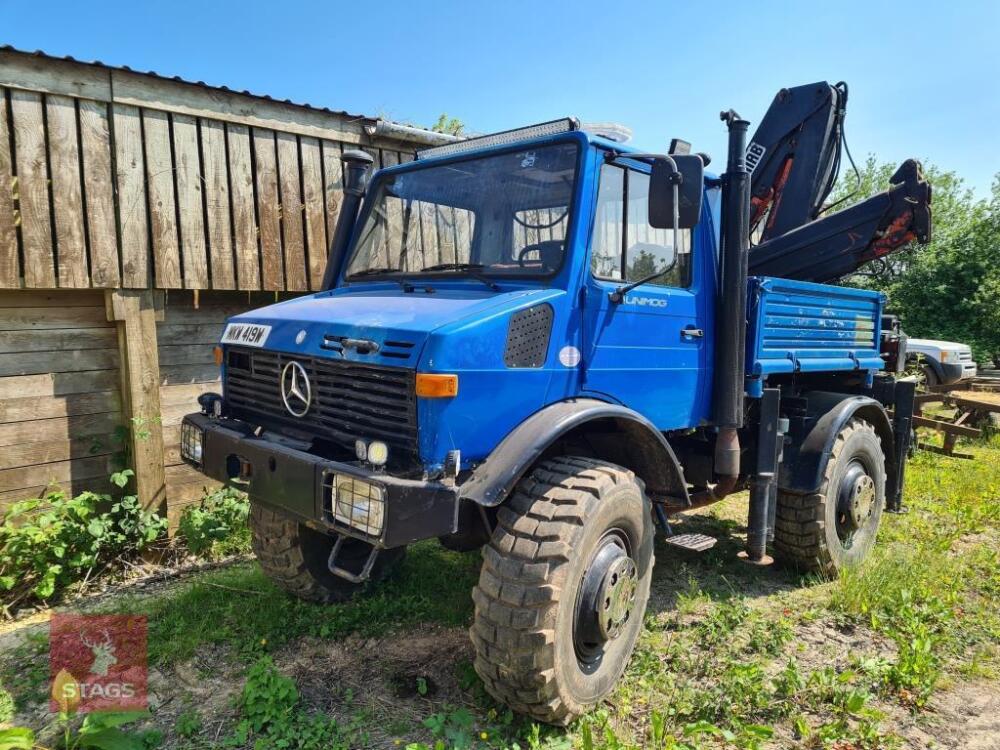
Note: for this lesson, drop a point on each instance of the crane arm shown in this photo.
(794, 159)
(837, 245)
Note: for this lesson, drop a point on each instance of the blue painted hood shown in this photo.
(399, 322)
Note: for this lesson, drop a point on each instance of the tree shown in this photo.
(643, 264)
(448, 125)
(950, 287)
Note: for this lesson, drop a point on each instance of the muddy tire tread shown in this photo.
(800, 525)
(277, 545)
(522, 580)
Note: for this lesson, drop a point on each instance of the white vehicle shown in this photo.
(944, 362)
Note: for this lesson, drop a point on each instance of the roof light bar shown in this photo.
(502, 138)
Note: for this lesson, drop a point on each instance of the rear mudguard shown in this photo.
(810, 439)
(645, 449)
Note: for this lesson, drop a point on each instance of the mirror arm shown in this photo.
(618, 295)
(677, 178)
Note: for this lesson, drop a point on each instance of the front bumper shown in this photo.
(952, 372)
(298, 484)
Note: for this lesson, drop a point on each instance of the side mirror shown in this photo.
(676, 186)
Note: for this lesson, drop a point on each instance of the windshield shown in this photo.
(502, 215)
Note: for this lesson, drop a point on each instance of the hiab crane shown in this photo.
(794, 158)
(545, 343)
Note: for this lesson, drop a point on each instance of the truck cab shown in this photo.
(516, 351)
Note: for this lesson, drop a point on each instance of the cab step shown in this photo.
(692, 542)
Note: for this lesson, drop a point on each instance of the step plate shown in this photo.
(693, 542)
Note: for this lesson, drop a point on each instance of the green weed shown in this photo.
(47, 544)
(188, 724)
(7, 706)
(217, 526)
(271, 717)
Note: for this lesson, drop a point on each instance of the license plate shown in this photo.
(246, 334)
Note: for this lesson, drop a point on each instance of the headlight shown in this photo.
(191, 442)
(358, 504)
(944, 356)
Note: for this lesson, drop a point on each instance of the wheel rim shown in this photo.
(606, 600)
(857, 501)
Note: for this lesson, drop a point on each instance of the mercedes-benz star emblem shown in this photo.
(295, 389)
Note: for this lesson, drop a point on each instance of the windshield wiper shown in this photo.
(406, 285)
(372, 272)
(470, 268)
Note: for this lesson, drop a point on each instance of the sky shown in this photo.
(924, 76)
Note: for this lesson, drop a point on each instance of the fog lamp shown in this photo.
(358, 504)
(211, 404)
(192, 437)
(378, 453)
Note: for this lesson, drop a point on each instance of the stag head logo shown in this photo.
(104, 653)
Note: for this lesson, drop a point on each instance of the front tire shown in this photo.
(563, 588)
(296, 558)
(834, 528)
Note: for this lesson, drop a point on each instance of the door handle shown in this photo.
(690, 332)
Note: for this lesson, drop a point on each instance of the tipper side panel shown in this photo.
(798, 326)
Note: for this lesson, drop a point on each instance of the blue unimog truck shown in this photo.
(544, 343)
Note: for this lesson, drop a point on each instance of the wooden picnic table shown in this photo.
(970, 413)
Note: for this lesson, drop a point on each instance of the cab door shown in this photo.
(649, 350)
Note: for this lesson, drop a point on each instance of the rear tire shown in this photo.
(295, 557)
(563, 588)
(834, 528)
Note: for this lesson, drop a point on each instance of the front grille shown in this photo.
(349, 400)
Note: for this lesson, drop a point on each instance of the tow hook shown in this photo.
(361, 576)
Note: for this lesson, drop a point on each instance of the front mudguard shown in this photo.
(644, 449)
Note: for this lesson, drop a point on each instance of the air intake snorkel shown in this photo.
(356, 167)
(731, 319)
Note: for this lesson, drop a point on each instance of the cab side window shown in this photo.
(624, 247)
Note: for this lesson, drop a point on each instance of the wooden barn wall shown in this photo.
(136, 213)
(60, 402)
(111, 179)
(187, 335)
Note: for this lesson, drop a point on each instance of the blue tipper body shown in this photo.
(798, 326)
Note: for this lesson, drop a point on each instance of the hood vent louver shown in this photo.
(401, 350)
(528, 337)
(397, 349)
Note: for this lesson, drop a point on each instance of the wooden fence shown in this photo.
(118, 190)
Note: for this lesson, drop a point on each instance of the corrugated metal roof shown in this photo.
(200, 84)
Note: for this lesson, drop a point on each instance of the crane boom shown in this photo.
(794, 158)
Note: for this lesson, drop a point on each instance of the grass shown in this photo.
(239, 607)
(731, 656)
